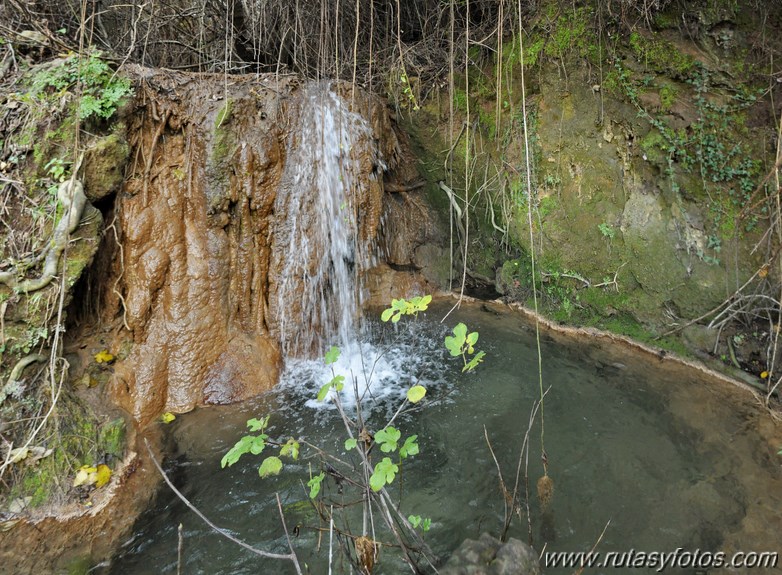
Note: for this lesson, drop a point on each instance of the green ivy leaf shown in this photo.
(290, 449)
(258, 424)
(314, 484)
(244, 445)
(387, 439)
(332, 355)
(417, 521)
(416, 393)
(473, 363)
(338, 382)
(270, 466)
(258, 443)
(455, 343)
(323, 391)
(409, 447)
(384, 474)
(350, 444)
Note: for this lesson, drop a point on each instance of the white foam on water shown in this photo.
(376, 375)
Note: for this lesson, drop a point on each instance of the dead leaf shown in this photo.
(18, 454)
(19, 504)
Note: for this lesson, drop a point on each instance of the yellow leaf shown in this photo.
(763, 375)
(103, 357)
(167, 417)
(85, 475)
(103, 475)
(18, 454)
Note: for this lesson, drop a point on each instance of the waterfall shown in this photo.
(321, 245)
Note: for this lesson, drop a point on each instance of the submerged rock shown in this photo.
(490, 556)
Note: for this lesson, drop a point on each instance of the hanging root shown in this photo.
(545, 491)
(366, 554)
(71, 196)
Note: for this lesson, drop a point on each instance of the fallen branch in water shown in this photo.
(286, 557)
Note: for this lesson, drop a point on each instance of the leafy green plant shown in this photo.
(462, 344)
(102, 90)
(607, 230)
(407, 91)
(381, 453)
(423, 522)
(400, 307)
(255, 444)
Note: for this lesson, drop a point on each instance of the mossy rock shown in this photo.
(104, 166)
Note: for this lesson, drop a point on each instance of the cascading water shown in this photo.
(318, 293)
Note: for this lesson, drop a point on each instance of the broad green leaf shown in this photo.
(416, 393)
(415, 520)
(290, 449)
(323, 391)
(377, 481)
(387, 439)
(396, 318)
(338, 382)
(453, 346)
(270, 466)
(350, 444)
(240, 448)
(455, 343)
(332, 355)
(314, 484)
(384, 473)
(386, 315)
(258, 424)
(258, 444)
(472, 338)
(247, 444)
(409, 447)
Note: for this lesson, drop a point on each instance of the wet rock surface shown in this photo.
(206, 216)
(490, 556)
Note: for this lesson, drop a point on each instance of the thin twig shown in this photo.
(286, 557)
(591, 551)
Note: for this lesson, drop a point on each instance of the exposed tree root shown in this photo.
(71, 196)
(19, 368)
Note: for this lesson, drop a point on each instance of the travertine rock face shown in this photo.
(205, 221)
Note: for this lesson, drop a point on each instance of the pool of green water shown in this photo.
(665, 456)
